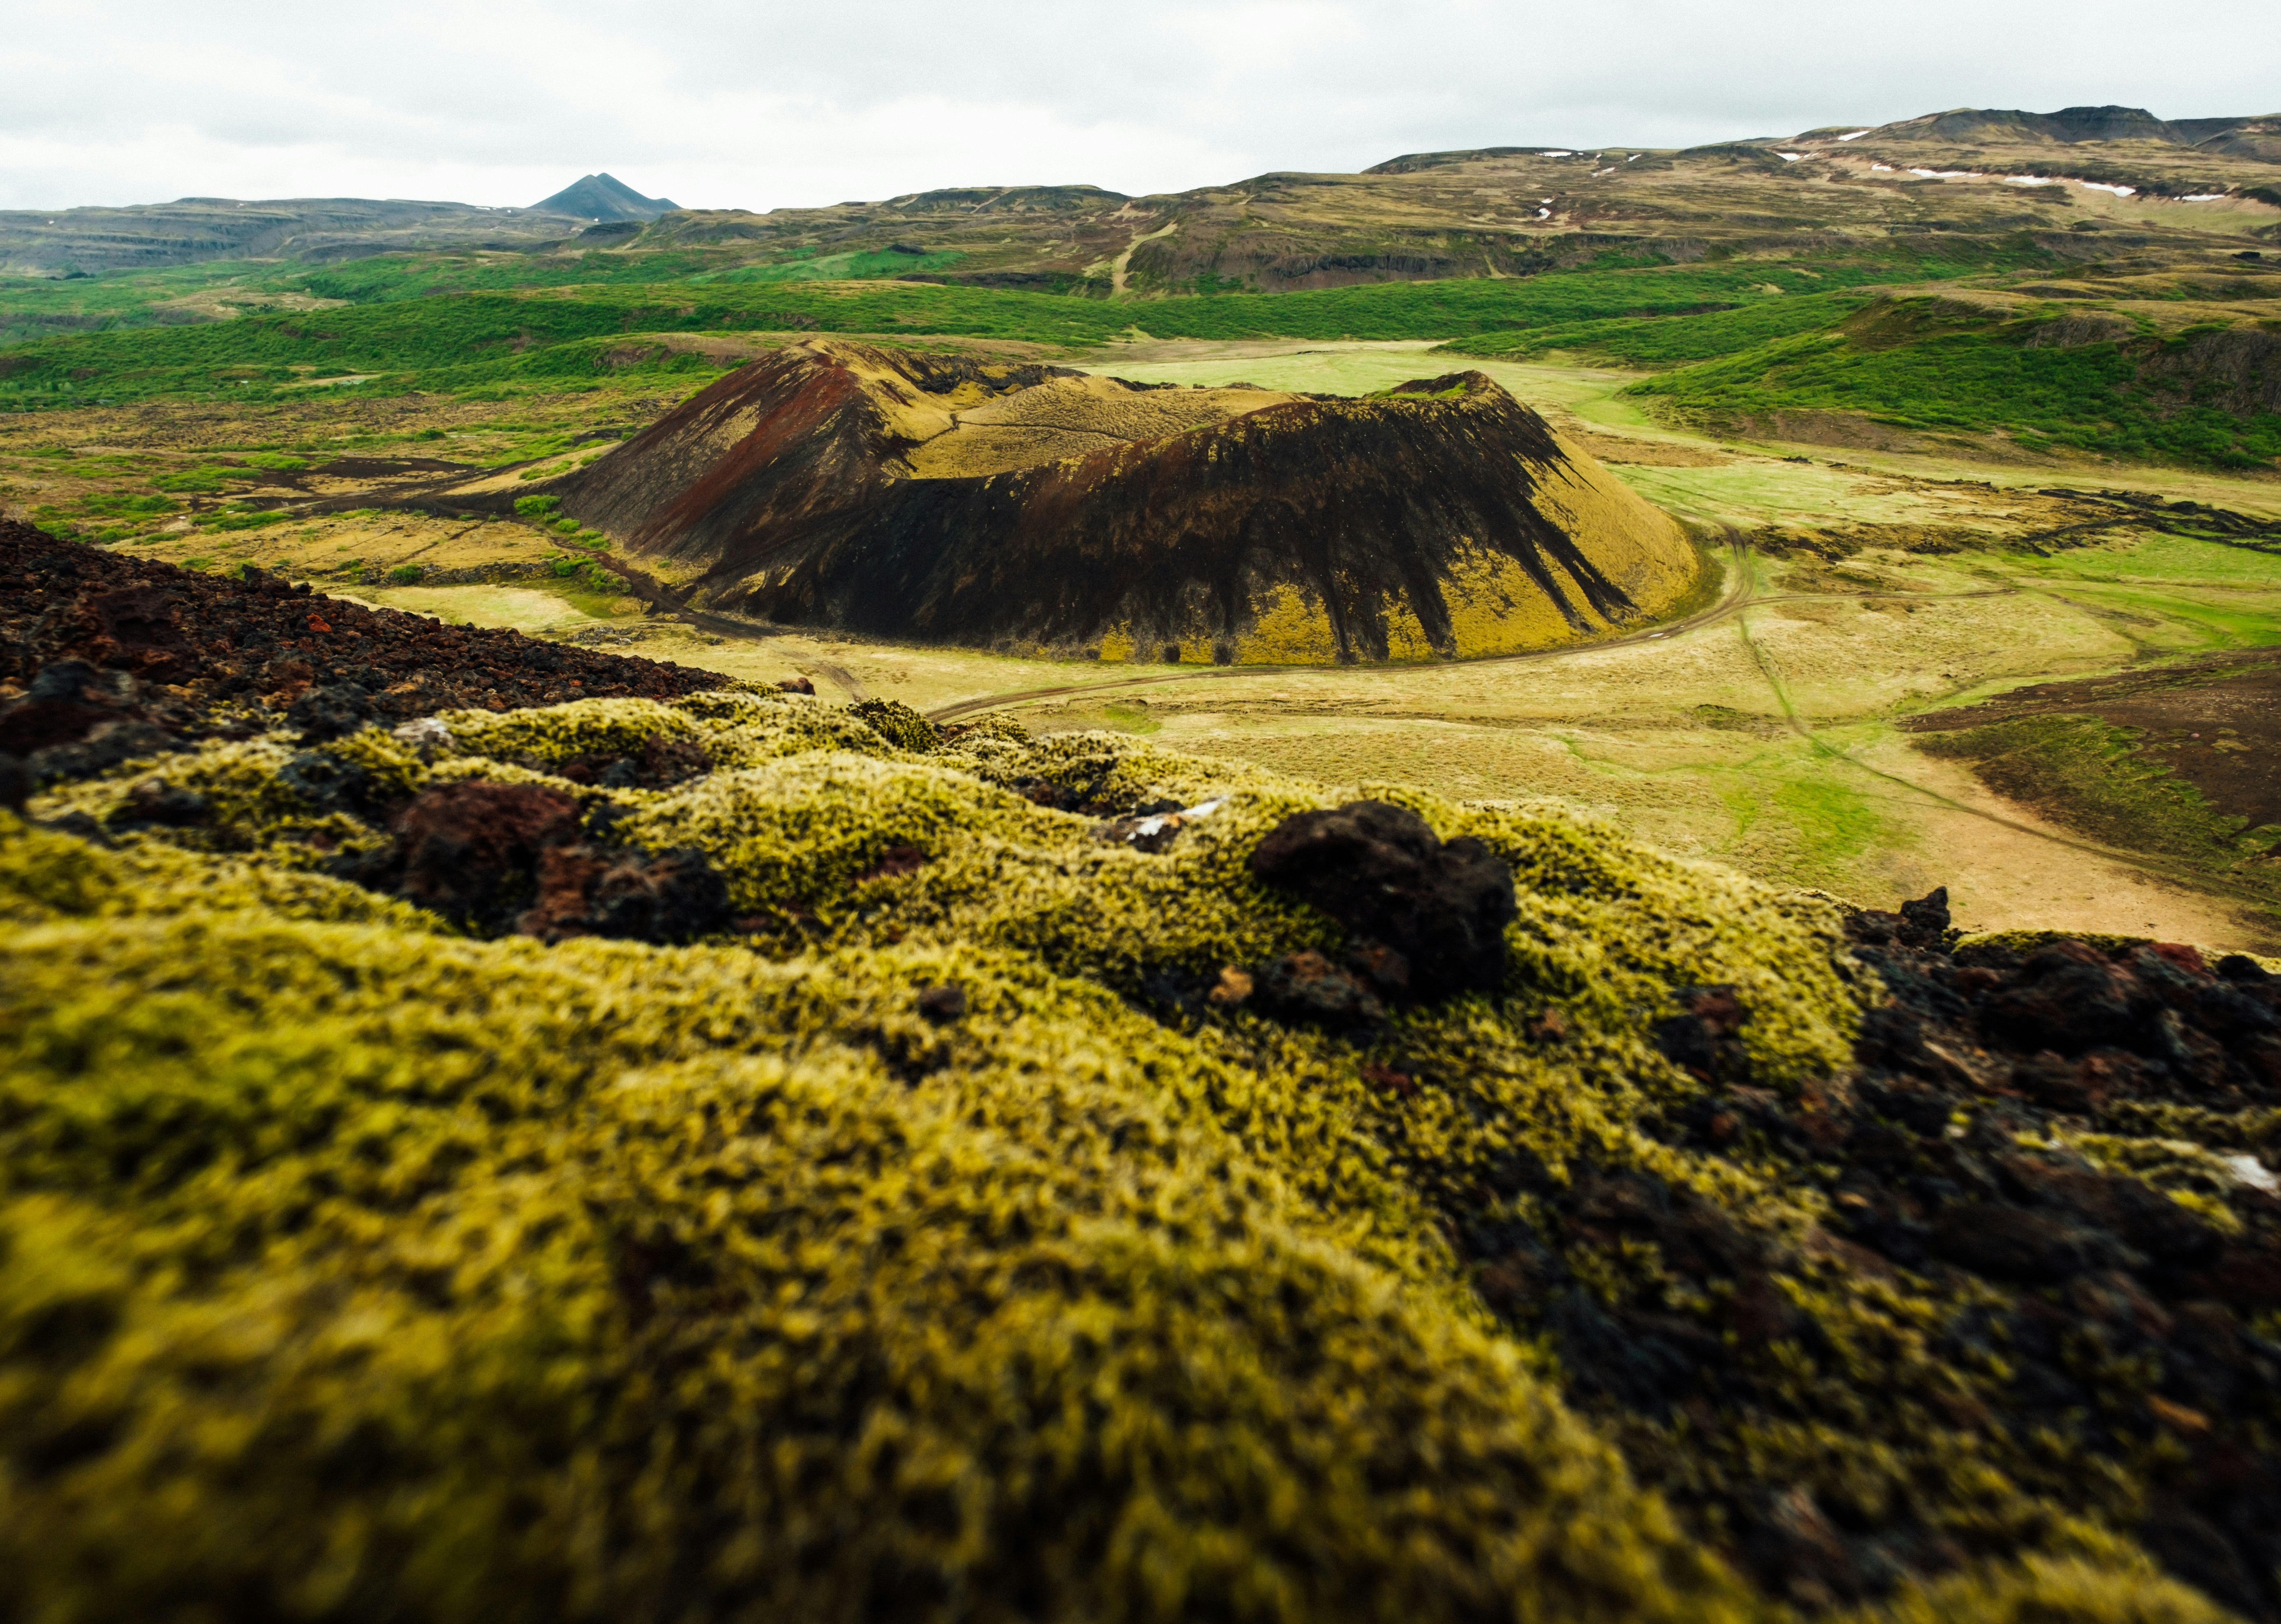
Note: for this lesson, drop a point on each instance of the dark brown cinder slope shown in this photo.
(1035, 509)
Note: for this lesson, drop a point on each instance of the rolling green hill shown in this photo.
(2043, 374)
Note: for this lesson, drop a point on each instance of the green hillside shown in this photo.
(1935, 364)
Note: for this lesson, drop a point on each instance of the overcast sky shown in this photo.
(756, 103)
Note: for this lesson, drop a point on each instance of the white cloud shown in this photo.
(725, 103)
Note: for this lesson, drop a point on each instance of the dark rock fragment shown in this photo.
(894, 864)
(1153, 826)
(1307, 987)
(662, 763)
(1044, 792)
(2141, 1217)
(323, 714)
(136, 628)
(1705, 1036)
(161, 804)
(129, 621)
(328, 783)
(940, 1005)
(2016, 1244)
(1923, 925)
(1643, 1362)
(15, 784)
(1381, 872)
(2069, 998)
(798, 685)
(2195, 1550)
(34, 723)
(1925, 922)
(626, 895)
(471, 850)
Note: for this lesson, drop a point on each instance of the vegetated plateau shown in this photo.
(496, 1125)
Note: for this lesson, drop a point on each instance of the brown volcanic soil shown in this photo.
(104, 657)
(930, 500)
(2213, 722)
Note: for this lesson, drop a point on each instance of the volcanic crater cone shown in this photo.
(1035, 509)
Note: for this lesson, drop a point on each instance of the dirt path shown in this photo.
(1742, 592)
(1123, 262)
(2015, 830)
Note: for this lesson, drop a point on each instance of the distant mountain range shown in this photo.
(315, 230)
(2255, 137)
(1479, 211)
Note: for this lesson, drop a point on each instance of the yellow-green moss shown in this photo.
(2115, 1588)
(350, 1269)
(631, 1275)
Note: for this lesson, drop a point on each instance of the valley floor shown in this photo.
(1864, 588)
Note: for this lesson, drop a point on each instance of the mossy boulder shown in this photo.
(353, 1265)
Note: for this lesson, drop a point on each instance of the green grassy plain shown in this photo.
(1767, 741)
(437, 324)
(1670, 341)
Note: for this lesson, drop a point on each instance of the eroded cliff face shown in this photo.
(1038, 509)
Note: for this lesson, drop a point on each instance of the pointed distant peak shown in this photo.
(603, 197)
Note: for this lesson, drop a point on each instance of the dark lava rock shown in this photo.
(74, 719)
(512, 857)
(2010, 1242)
(940, 1005)
(894, 864)
(330, 712)
(471, 850)
(626, 895)
(1381, 872)
(1705, 1036)
(118, 657)
(15, 784)
(798, 685)
(1153, 827)
(662, 762)
(1307, 988)
(160, 804)
(1956, 1157)
(2069, 998)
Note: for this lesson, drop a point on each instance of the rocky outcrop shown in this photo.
(104, 657)
(2238, 371)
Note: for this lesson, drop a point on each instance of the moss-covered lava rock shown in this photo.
(948, 1233)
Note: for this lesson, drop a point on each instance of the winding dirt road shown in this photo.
(1742, 593)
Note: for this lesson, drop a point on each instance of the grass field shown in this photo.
(1767, 740)
(1671, 341)
(458, 327)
